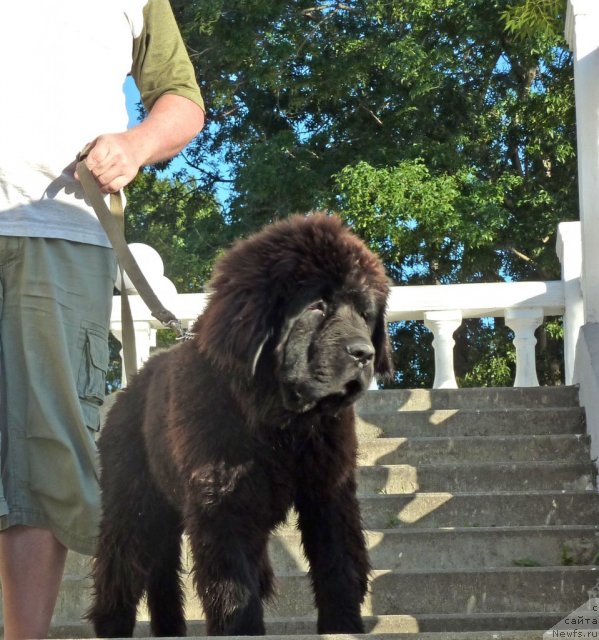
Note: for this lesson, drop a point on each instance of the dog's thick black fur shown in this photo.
(219, 436)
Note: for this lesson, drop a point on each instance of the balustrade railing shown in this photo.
(523, 305)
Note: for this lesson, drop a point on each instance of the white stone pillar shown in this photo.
(569, 251)
(582, 34)
(523, 322)
(145, 339)
(443, 324)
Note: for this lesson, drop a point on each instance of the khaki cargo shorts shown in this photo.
(55, 303)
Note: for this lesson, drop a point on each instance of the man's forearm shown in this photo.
(115, 158)
(171, 124)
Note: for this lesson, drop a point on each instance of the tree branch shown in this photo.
(369, 111)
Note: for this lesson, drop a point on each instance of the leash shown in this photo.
(113, 222)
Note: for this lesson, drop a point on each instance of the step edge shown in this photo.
(584, 438)
(509, 529)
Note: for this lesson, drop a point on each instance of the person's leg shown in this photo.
(31, 565)
(54, 311)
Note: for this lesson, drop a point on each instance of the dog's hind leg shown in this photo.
(119, 569)
(117, 591)
(138, 550)
(135, 516)
(120, 572)
(164, 590)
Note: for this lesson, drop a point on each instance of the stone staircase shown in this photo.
(482, 520)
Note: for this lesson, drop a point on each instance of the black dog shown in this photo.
(220, 436)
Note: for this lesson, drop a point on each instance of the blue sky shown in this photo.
(223, 190)
(132, 99)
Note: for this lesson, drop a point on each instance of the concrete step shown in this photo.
(374, 625)
(459, 548)
(465, 422)
(392, 400)
(389, 451)
(516, 590)
(442, 548)
(481, 477)
(533, 508)
(490, 591)
(195, 631)
(427, 511)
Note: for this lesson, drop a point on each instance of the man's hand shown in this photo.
(112, 161)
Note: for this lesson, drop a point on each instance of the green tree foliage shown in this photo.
(441, 130)
(181, 221)
(534, 18)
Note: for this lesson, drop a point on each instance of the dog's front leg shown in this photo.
(334, 544)
(229, 577)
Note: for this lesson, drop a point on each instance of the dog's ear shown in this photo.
(383, 363)
(234, 330)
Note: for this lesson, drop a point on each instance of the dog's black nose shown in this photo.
(362, 352)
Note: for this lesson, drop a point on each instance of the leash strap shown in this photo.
(113, 223)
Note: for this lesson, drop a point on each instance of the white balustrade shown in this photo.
(442, 308)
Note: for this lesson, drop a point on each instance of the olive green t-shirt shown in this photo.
(161, 64)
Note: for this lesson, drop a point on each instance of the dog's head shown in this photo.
(300, 306)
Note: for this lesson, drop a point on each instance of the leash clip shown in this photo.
(182, 334)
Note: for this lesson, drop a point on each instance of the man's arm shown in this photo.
(115, 158)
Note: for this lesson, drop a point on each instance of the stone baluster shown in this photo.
(523, 322)
(145, 339)
(443, 325)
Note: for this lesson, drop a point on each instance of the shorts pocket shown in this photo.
(91, 381)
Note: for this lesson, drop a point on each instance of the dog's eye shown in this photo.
(369, 313)
(319, 307)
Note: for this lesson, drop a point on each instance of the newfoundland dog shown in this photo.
(221, 435)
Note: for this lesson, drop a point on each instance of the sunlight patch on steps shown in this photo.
(422, 505)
